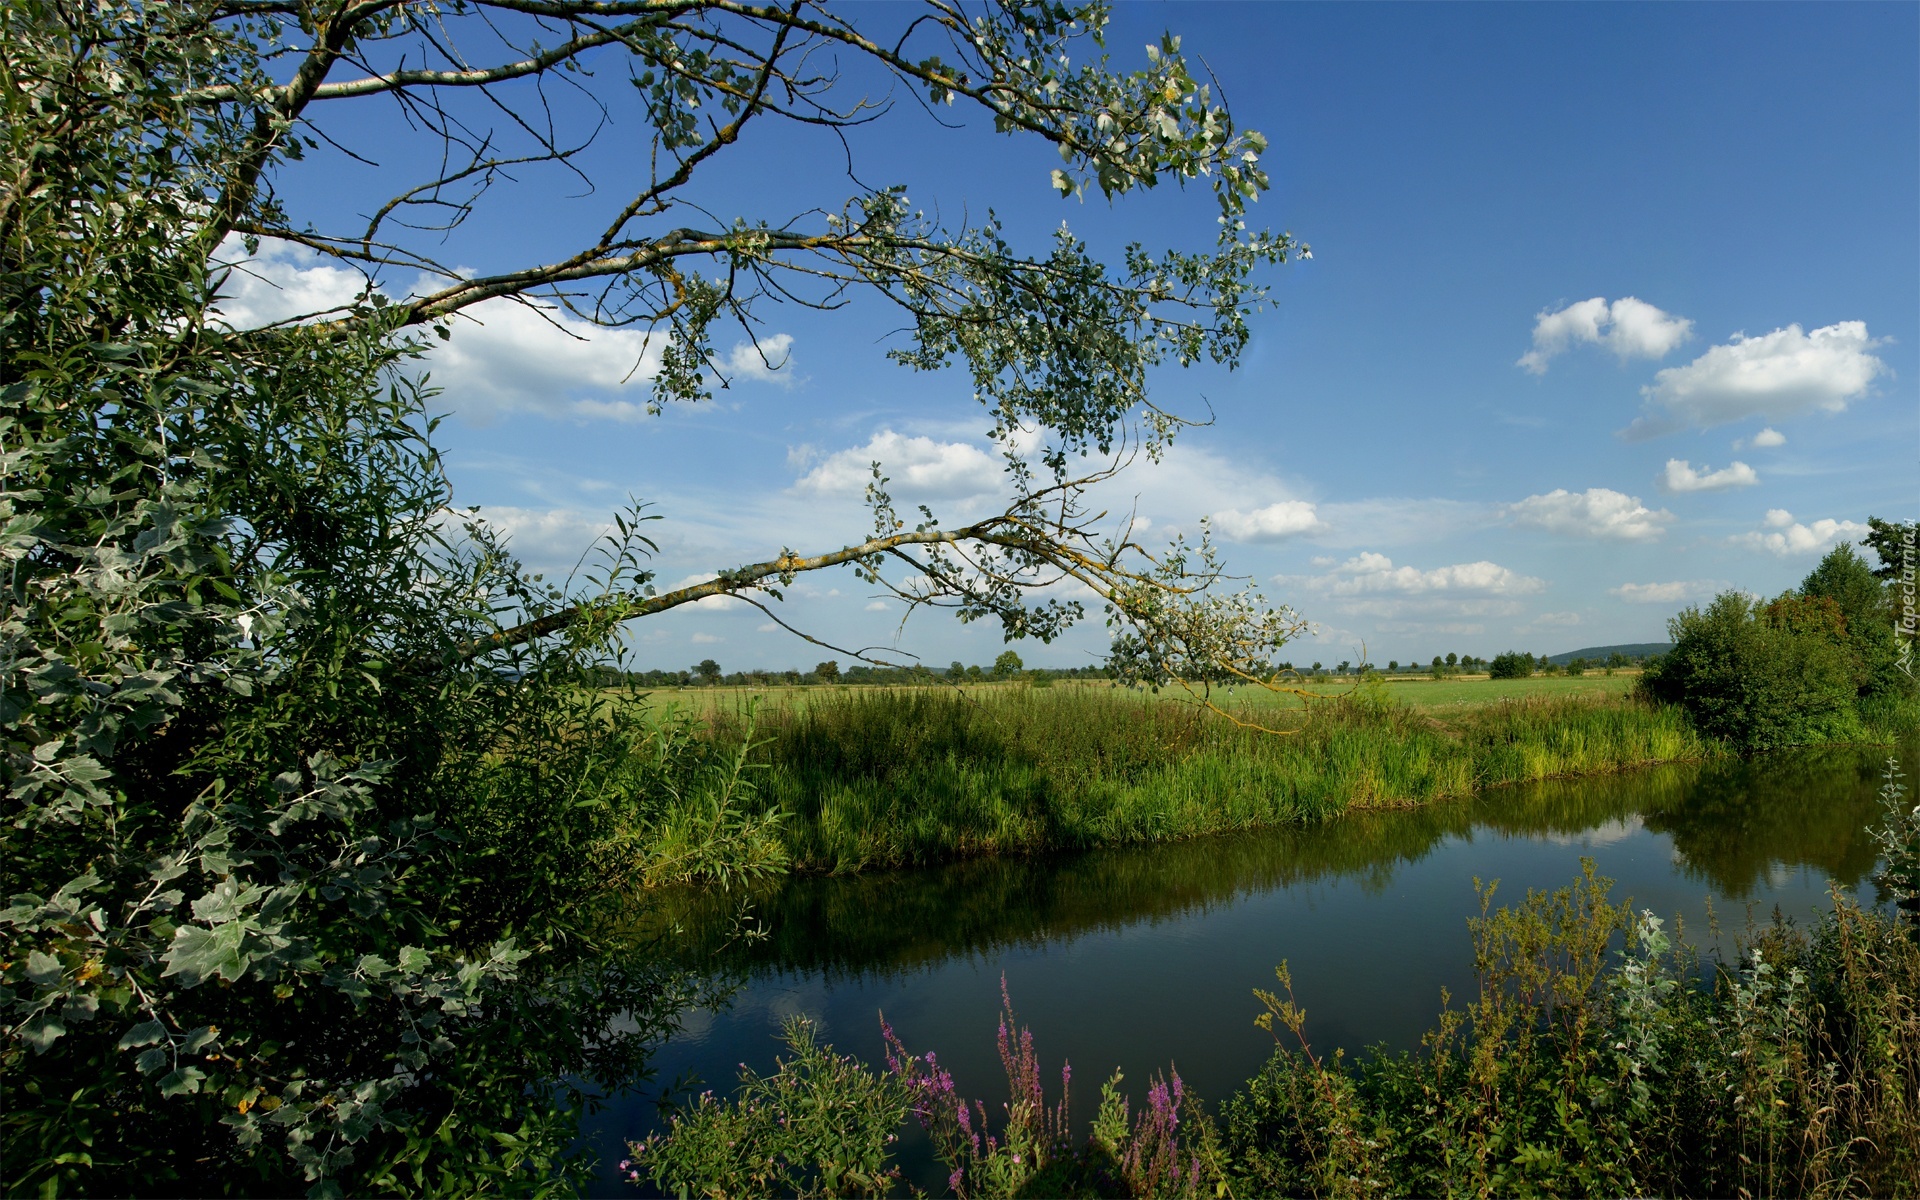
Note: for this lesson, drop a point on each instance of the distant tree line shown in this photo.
(708, 673)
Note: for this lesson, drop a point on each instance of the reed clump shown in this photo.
(915, 776)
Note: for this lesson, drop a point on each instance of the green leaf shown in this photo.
(182, 1079)
(198, 954)
(44, 969)
(144, 1034)
(43, 1031)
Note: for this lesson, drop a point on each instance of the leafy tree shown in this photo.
(1866, 617)
(1511, 665)
(1759, 677)
(303, 860)
(956, 670)
(1006, 665)
(708, 671)
(827, 672)
(1452, 658)
(1393, 664)
(1893, 543)
(314, 807)
(1577, 666)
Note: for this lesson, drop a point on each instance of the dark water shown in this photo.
(1146, 958)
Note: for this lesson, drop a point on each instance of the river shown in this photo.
(1146, 958)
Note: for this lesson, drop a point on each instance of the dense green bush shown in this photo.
(1866, 608)
(301, 885)
(1813, 665)
(1511, 665)
(1755, 678)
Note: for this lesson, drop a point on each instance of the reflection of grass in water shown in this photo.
(898, 920)
(914, 776)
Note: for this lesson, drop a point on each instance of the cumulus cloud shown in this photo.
(917, 465)
(1594, 513)
(510, 357)
(707, 639)
(1765, 438)
(1369, 573)
(283, 282)
(771, 361)
(1629, 327)
(1285, 519)
(1680, 476)
(876, 606)
(1407, 599)
(1783, 535)
(1672, 592)
(545, 539)
(503, 356)
(1774, 376)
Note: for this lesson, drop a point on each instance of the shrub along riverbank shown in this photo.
(889, 778)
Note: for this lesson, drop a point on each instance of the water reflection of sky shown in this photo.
(1148, 957)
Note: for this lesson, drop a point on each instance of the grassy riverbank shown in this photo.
(884, 777)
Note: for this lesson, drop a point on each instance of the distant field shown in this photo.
(1458, 692)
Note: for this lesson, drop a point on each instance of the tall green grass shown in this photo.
(887, 778)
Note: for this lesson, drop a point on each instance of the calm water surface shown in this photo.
(1145, 958)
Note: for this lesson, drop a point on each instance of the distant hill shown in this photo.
(1600, 653)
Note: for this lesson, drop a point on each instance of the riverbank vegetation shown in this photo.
(891, 778)
(1820, 663)
(1575, 1068)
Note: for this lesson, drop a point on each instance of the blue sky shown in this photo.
(1610, 307)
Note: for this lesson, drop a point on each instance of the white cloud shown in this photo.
(1680, 476)
(1594, 513)
(1629, 327)
(876, 606)
(1672, 592)
(1774, 376)
(1789, 536)
(545, 539)
(283, 282)
(510, 357)
(1765, 438)
(917, 465)
(707, 639)
(1371, 573)
(1251, 504)
(503, 356)
(1284, 519)
(771, 362)
(766, 627)
(1554, 620)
